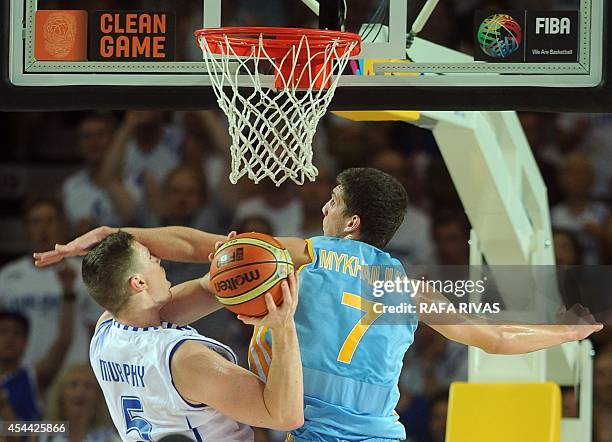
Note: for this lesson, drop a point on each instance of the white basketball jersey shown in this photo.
(132, 366)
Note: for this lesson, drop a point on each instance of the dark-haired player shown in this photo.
(351, 368)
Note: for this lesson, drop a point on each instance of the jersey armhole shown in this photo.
(174, 349)
(310, 255)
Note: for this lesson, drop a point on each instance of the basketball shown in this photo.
(245, 268)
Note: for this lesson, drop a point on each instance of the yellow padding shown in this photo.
(385, 115)
(369, 67)
(504, 412)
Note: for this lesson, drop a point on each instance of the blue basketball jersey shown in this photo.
(351, 360)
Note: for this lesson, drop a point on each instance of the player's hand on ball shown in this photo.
(218, 244)
(78, 247)
(282, 315)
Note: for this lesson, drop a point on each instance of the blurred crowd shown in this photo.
(64, 173)
(71, 172)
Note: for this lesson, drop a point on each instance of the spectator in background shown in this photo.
(145, 149)
(412, 241)
(567, 248)
(571, 131)
(77, 399)
(577, 212)
(451, 233)
(92, 199)
(351, 143)
(25, 385)
(591, 134)
(182, 201)
(602, 389)
(207, 143)
(277, 205)
(37, 292)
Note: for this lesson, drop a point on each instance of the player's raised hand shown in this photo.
(282, 316)
(78, 247)
(218, 244)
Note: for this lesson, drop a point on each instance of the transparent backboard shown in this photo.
(468, 54)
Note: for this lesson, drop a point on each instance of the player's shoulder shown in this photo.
(190, 355)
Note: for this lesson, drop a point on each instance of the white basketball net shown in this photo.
(272, 128)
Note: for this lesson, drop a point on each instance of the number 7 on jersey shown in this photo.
(352, 340)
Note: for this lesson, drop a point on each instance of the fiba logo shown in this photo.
(499, 35)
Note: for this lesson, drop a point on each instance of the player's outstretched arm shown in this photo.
(191, 300)
(298, 249)
(202, 376)
(182, 244)
(506, 338)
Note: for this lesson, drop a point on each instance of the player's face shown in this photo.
(334, 214)
(13, 340)
(154, 274)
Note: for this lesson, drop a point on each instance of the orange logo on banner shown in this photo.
(60, 35)
(132, 35)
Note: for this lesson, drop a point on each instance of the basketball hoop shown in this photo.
(272, 124)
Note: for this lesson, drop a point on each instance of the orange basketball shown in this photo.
(245, 268)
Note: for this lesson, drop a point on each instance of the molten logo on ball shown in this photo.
(236, 281)
(499, 35)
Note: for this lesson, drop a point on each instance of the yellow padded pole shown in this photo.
(504, 412)
(385, 115)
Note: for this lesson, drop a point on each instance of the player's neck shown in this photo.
(139, 316)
